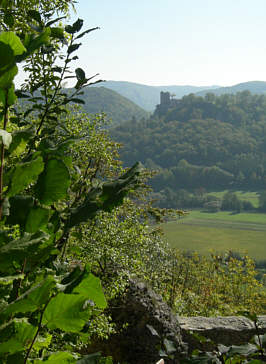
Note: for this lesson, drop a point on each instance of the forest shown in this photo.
(77, 229)
(207, 143)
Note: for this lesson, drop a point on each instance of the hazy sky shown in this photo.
(162, 42)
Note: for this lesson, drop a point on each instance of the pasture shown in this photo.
(219, 232)
(251, 196)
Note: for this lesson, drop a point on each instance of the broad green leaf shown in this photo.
(7, 55)
(31, 300)
(114, 192)
(37, 219)
(84, 212)
(77, 101)
(7, 78)
(110, 196)
(20, 139)
(73, 47)
(86, 284)
(19, 209)
(56, 358)
(66, 312)
(8, 97)
(80, 74)
(18, 335)
(36, 43)
(30, 246)
(25, 174)
(11, 97)
(13, 41)
(71, 29)
(90, 287)
(53, 183)
(6, 138)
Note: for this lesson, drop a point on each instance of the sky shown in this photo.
(175, 42)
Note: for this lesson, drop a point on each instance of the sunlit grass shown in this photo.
(251, 196)
(219, 232)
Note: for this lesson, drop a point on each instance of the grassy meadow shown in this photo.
(251, 196)
(218, 232)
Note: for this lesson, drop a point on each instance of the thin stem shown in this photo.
(3, 155)
(37, 332)
(55, 91)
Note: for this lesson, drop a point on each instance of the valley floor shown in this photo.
(244, 233)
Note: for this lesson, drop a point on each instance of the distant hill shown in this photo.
(147, 97)
(211, 143)
(116, 107)
(255, 87)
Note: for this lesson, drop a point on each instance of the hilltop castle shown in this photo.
(167, 102)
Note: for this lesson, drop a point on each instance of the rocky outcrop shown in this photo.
(229, 330)
(147, 329)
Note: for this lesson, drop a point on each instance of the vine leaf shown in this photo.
(105, 198)
(13, 41)
(19, 333)
(60, 357)
(24, 174)
(74, 28)
(37, 219)
(32, 299)
(53, 183)
(70, 311)
(19, 209)
(20, 139)
(66, 312)
(30, 246)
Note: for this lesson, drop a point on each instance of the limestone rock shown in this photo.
(229, 330)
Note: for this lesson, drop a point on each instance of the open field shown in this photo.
(218, 232)
(228, 217)
(251, 196)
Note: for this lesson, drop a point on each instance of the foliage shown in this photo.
(215, 142)
(195, 285)
(43, 194)
(116, 107)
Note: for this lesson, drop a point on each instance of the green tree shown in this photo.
(43, 194)
(231, 202)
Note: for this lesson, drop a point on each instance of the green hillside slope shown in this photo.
(211, 143)
(255, 87)
(147, 97)
(116, 107)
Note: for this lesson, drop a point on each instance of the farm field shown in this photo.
(218, 232)
(251, 196)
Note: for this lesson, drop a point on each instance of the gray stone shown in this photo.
(229, 330)
(145, 324)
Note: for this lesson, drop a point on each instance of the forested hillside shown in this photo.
(255, 87)
(117, 108)
(211, 142)
(147, 97)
